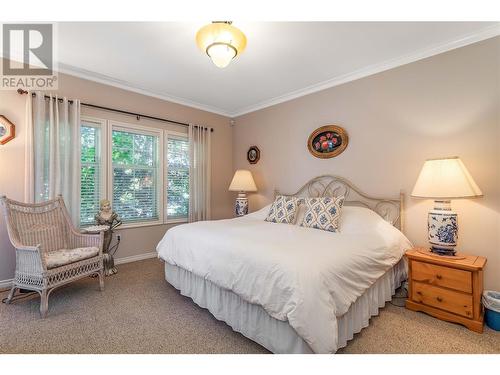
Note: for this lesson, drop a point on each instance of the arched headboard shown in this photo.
(391, 209)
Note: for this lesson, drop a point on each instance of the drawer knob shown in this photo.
(439, 277)
(439, 299)
(419, 292)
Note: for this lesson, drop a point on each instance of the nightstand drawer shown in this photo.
(442, 276)
(445, 299)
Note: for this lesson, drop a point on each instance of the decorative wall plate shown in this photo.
(7, 130)
(327, 141)
(253, 155)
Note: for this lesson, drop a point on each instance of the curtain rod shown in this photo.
(137, 115)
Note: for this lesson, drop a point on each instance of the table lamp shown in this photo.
(442, 180)
(242, 182)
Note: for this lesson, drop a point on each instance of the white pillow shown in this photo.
(260, 214)
(359, 221)
(352, 219)
(355, 219)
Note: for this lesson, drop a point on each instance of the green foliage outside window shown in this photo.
(135, 184)
(90, 177)
(134, 158)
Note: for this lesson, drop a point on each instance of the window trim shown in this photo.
(177, 134)
(137, 129)
(100, 124)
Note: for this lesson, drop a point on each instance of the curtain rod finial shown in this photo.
(21, 91)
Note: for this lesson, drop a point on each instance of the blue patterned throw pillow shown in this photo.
(323, 213)
(283, 209)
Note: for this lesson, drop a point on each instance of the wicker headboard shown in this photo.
(328, 186)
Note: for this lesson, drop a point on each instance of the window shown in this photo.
(135, 174)
(143, 171)
(177, 177)
(91, 171)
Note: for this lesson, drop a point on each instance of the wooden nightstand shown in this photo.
(448, 288)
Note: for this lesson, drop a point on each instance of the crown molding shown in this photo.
(480, 35)
(483, 34)
(128, 86)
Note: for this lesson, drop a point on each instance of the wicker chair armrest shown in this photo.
(34, 249)
(30, 259)
(87, 240)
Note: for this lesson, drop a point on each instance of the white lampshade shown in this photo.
(445, 178)
(242, 181)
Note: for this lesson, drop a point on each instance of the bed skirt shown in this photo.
(277, 336)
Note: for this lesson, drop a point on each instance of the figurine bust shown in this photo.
(106, 216)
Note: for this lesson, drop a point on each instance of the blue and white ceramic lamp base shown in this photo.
(442, 228)
(241, 206)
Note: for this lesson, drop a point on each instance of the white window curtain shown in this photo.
(53, 151)
(199, 173)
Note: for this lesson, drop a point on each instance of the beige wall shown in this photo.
(444, 105)
(135, 241)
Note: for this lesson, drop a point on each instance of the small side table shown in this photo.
(446, 287)
(109, 261)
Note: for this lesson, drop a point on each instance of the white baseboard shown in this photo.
(135, 258)
(7, 284)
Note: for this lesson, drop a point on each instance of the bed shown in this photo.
(289, 288)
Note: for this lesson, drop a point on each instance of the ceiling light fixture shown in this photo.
(221, 41)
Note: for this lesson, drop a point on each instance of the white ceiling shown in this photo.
(282, 60)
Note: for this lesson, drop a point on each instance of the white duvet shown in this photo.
(305, 276)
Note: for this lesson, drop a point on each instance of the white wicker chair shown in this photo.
(50, 252)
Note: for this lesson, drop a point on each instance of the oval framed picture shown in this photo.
(253, 155)
(328, 141)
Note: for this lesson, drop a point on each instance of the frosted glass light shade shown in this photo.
(221, 54)
(242, 181)
(446, 178)
(221, 41)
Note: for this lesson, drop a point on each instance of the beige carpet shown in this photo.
(140, 313)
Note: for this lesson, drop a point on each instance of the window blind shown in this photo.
(90, 177)
(177, 163)
(135, 176)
